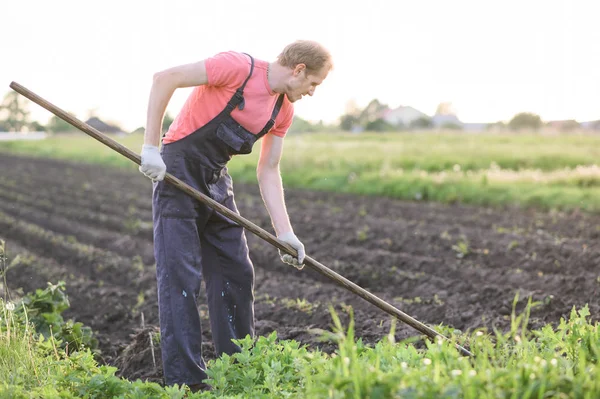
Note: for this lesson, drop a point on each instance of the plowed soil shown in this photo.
(455, 265)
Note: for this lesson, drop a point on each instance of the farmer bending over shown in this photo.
(237, 100)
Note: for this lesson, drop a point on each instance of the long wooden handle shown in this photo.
(271, 239)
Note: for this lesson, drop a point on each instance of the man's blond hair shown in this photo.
(307, 52)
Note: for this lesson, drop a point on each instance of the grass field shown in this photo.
(486, 169)
(547, 363)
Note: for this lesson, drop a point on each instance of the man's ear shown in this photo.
(298, 69)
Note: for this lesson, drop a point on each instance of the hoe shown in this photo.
(271, 239)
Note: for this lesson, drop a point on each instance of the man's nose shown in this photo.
(311, 91)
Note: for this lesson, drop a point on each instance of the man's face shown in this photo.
(303, 83)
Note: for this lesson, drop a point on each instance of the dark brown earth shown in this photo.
(456, 265)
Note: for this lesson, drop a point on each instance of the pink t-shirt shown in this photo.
(226, 72)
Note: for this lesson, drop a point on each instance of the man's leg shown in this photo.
(178, 273)
(177, 250)
(229, 277)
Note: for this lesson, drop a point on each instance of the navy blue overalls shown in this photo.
(191, 242)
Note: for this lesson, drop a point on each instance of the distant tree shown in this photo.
(369, 116)
(14, 112)
(372, 112)
(349, 122)
(35, 126)
(500, 125)
(300, 125)
(352, 108)
(423, 122)
(569, 126)
(58, 125)
(445, 108)
(525, 120)
(379, 125)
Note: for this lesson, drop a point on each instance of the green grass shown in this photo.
(32, 366)
(559, 362)
(76, 147)
(484, 169)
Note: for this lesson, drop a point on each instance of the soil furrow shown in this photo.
(99, 264)
(89, 216)
(125, 245)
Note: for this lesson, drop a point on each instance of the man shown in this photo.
(236, 101)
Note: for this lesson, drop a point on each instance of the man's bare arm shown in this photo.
(269, 180)
(163, 86)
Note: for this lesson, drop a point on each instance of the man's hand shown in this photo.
(152, 165)
(291, 239)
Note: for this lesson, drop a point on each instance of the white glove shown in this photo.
(291, 239)
(152, 165)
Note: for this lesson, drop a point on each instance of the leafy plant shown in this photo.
(265, 367)
(462, 248)
(300, 304)
(363, 233)
(559, 362)
(44, 310)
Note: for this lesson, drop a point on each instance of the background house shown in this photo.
(403, 115)
(446, 121)
(591, 125)
(103, 127)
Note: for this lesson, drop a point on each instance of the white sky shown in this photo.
(490, 59)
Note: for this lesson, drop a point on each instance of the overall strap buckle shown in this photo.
(236, 101)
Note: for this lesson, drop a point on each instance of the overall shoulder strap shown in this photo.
(274, 114)
(241, 89)
(238, 98)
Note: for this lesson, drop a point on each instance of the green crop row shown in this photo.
(559, 362)
(484, 169)
(430, 152)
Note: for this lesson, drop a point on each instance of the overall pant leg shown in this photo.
(229, 277)
(178, 277)
(178, 273)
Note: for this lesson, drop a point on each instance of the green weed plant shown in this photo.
(553, 362)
